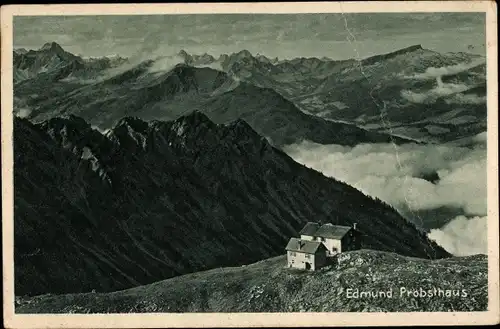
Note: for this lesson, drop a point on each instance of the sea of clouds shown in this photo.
(442, 89)
(394, 174)
(436, 72)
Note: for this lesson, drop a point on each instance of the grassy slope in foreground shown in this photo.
(267, 286)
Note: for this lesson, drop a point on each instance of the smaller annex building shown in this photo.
(318, 243)
(308, 255)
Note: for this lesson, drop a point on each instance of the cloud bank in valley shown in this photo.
(394, 175)
(463, 236)
(436, 72)
(165, 63)
(466, 99)
(442, 89)
(214, 66)
(430, 96)
(23, 112)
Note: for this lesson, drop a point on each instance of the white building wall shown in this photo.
(332, 244)
(299, 260)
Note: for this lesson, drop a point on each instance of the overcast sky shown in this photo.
(269, 34)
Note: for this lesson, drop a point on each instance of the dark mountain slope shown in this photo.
(131, 93)
(268, 286)
(166, 96)
(271, 115)
(148, 201)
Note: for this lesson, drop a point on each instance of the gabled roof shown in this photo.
(332, 231)
(308, 247)
(326, 230)
(309, 229)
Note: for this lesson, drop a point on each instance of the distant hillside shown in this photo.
(413, 92)
(148, 201)
(390, 93)
(143, 93)
(268, 286)
(377, 58)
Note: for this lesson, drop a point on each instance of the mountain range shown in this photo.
(410, 94)
(413, 92)
(165, 95)
(147, 201)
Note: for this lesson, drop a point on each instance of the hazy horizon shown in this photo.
(337, 36)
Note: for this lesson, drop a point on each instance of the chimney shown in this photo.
(300, 244)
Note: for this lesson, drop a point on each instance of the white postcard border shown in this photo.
(145, 320)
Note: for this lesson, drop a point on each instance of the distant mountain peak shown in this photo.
(195, 119)
(187, 127)
(242, 126)
(244, 53)
(241, 130)
(67, 120)
(195, 116)
(415, 47)
(52, 46)
(263, 58)
(179, 67)
(132, 122)
(20, 50)
(183, 70)
(194, 129)
(376, 58)
(129, 132)
(184, 54)
(223, 57)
